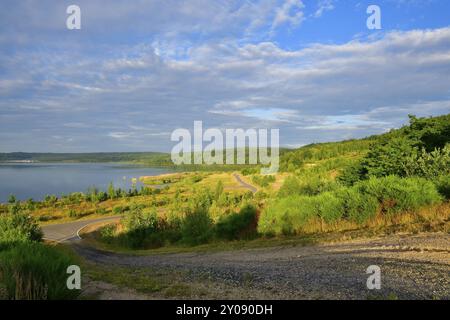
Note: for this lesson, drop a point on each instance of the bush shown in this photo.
(74, 214)
(50, 200)
(327, 207)
(32, 271)
(356, 206)
(263, 180)
(196, 227)
(311, 186)
(108, 233)
(442, 184)
(16, 227)
(289, 215)
(290, 187)
(428, 164)
(142, 229)
(249, 171)
(101, 211)
(399, 194)
(351, 174)
(286, 215)
(237, 225)
(12, 199)
(120, 209)
(260, 195)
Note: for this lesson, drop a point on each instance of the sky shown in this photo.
(138, 70)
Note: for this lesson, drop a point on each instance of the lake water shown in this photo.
(35, 180)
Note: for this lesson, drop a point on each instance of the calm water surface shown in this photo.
(35, 180)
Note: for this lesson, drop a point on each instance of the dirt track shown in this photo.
(412, 267)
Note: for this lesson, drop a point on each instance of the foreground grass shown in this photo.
(150, 282)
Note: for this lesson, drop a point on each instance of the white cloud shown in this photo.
(123, 95)
(322, 6)
(290, 13)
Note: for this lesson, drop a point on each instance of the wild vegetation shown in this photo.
(401, 177)
(331, 186)
(30, 269)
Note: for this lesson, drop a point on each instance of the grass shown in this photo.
(34, 271)
(157, 283)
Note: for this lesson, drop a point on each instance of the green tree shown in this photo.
(12, 199)
(111, 191)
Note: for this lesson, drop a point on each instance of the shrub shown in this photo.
(290, 187)
(108, 233)
(428, 164)
(351, 174)
(263, 180)
(442, 184)
(196, 227)
(317, 185)
(327, 207)
(286, 215)
(398, 194)
(289, 215)
(12, 199)
(74, 213)
(356, 206)
(32, 271)
(142, 229)
(249, 171)
(50, 200)
(260, 195)
(101, 211)
(311, 186)
(18, 227)
(120, 209)
(237, 225)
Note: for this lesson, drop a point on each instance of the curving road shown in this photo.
(244, 184)
(69, 230)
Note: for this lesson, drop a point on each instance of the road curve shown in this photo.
(69, 230)
(244, 184)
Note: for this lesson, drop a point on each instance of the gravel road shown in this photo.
(412, 267)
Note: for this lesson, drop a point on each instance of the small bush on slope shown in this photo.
(16, 227)
(237, 225)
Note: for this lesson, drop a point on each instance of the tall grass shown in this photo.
(33, 271)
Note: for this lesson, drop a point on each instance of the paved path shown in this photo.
(244, 184)
(69, 231)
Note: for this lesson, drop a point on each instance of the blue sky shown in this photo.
(137, 70)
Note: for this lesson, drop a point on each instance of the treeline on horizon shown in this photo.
(157, 158)
(406, 138)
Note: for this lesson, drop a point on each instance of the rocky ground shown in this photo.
(412, 267)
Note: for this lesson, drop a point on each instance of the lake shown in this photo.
(36, 180)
